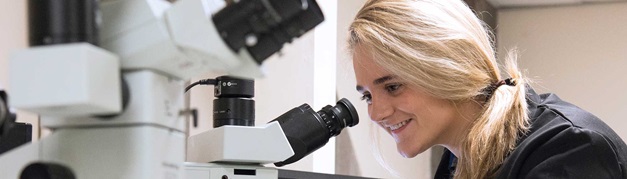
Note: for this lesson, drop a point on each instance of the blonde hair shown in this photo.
(443, 48)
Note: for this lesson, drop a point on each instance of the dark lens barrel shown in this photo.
(307, 130)
(234, 104)
(271, 22)
(62, 21)
(4, 113)
(233, 111)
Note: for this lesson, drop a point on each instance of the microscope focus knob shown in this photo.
(47, 171)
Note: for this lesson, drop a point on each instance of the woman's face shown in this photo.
(415, 119)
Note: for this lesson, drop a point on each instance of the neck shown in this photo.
(467, 113)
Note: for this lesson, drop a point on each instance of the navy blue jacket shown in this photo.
(563, 141)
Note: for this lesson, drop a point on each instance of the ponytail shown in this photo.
(495, 133)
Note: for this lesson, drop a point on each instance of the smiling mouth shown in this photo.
(399, 125)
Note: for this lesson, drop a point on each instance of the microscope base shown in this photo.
(231, 171)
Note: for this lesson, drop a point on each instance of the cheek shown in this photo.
(430, 109)
(437, 122)
(435, 116)
(416, 107)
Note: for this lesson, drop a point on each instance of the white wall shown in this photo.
(577, 52)
(14, 36)
(354, 155)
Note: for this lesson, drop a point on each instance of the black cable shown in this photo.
(201, 82)
(191, 85)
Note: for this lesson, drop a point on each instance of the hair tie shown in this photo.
(488, 91)
(508, 82)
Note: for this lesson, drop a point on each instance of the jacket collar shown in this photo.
(533, 101)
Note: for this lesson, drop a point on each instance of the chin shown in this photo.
(408, 153)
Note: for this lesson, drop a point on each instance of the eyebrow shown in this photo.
(377, 81)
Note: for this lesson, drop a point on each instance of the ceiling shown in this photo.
(535, 3)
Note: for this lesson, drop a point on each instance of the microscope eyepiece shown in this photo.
(338, 117)
(307, 130)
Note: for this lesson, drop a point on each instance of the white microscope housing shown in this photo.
(108, 77)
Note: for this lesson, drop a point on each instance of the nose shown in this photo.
(380, 109)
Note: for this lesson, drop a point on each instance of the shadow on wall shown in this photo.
(345, 152)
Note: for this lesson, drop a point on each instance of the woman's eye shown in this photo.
(366, 97)
(391, 88)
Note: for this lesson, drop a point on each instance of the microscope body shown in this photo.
(76, 87)
(113, 97)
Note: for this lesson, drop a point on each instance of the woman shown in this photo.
(427, 70)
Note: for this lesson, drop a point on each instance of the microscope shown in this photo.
(108, 78)
(238, 148)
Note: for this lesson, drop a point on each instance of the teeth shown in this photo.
(399, 125)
